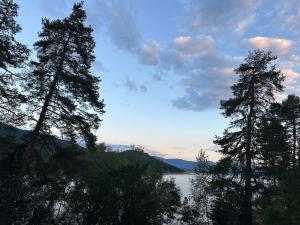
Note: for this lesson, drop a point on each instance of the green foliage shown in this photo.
(68, 94)
(199, 198)
(12, 56)
(274, 152)
(290, 114)
(112, 191)
(79, 187)
(284, 207)
(154, 164)
(252, 95)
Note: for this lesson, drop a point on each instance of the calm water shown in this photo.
(183, 181)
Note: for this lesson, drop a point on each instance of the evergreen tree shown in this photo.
(12, 56)
(252, 94)
(284, 206)
(290, 112)
(62, 91)
(273, 155)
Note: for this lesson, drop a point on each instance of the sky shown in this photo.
(165, 65)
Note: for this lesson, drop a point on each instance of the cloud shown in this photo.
(196, 101)
(291, 76)
(187, 47)
(185, 53)
(214, 15)
(243, 24)
(294, 19)
(205, 73)
(143, 88)
(278, 45)
(149, 53)
(118, 21)
(132, 86)
(157, 77)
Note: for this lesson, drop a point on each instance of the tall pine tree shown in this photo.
(252, 94)
(63, 93)
(12, 56)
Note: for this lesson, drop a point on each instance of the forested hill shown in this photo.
(140, 156)
(11, 136)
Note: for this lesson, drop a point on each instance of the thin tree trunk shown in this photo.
(294, 142)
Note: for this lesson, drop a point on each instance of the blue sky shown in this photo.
(165, 65)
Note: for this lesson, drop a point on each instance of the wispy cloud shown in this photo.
(214, 15)
(206, 74)
(133, 86)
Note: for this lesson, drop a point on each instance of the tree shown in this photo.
(63, 93)
(290, 112)
(12, 56)
(227, 193)
(284, 206)
(200, 185)
(273, 157)
(108, 190)
(252, 94)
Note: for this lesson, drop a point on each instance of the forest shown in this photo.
(51, 180)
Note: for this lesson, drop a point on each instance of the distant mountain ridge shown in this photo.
(11, 136)
(153, 162)
(185, 165)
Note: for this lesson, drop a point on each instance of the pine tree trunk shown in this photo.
(29, 149)
(248, 169)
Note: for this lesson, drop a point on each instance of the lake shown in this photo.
(183, 181)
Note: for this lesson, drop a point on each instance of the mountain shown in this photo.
(182, 164)
(185, 165)
(153, 162)
(10, 137)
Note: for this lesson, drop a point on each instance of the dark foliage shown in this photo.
(88, 188)
(12, 56)
(62, 91)
(252, 94)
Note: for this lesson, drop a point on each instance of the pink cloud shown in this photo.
(278, 45)
(190, 47)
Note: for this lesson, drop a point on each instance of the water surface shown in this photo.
(183, 181)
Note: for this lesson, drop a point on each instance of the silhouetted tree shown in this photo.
(273, 157)
(227, 193)
(252, 94)
(62, 91)
(290, 112)
(12, 56)
(284, 206)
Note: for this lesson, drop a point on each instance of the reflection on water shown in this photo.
(183, 181)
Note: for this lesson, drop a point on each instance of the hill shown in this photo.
(182, 164)
(139, 156)
(11, 136)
